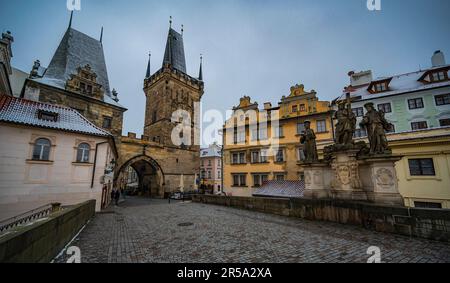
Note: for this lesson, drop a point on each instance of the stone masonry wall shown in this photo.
(431, 224)
(42, 241)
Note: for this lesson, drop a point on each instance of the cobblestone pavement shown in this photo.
(144, 231)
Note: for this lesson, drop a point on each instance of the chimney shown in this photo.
(438, 59)
(267, 106)
(361, 78)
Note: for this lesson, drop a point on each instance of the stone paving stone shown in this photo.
(142, 231)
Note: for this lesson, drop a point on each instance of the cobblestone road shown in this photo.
(154, 231)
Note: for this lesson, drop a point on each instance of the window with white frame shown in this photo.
(239, 180)
(416, 103)
(263, 135)
(280, 156)
(278, 131)
(321, 126)
(83, 153)
(241, 135)
(260, 179)
(41, 150)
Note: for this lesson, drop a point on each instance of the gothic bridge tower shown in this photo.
(171, 89)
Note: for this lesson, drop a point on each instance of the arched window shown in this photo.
(83, 153)
(41, 150)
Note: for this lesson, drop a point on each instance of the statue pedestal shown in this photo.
(347, 176)
(316, 180)
(346, 183)
(380, 179)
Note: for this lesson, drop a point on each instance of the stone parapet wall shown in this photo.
(431, 224)
(42, 241)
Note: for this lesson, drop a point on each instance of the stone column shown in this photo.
(380, 180)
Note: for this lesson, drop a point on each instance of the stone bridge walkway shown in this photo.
(143, 231)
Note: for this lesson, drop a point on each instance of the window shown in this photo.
(438, 76)
(300, 128)
(241, 135)
(419, 125)
(41, 150)
(89, 89)
(421, 167)
(278, 131)
(442, 99)
(280, 156)
(359, 112)
(385, 107)
(83, 152)
(360, 133)
(219, 174)
(279, 177)
(434, 205)
(380, 87)
(254, 136)
(238, 158)
(203, 174)
(255, 156)
(154, 117)
(321, 126)
(263, 156)
(294, 108)
(302, 107)
(260, 179)
(209, 162)
(263, 133)
(209, 175)
(444, 122)
(239, 180)
(48, 116)
(107, 122)
(415, 103)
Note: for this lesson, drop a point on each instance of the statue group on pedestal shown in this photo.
(374, 122)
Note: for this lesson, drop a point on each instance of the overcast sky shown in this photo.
(258, 48)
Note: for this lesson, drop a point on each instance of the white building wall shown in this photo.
(27, 184)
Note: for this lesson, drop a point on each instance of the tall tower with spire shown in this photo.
(170, 89)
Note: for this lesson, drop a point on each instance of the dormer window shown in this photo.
(47, 116)
(379, 86)
(435, 76)
(438, 76)
(294, 108)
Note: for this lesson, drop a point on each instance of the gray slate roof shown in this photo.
(75, 50)
(281, 189)
(25, 112)
(174, 54)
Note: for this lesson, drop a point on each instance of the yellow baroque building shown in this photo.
(424, 171)
(262, 145)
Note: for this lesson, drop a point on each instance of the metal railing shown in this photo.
(29, 216)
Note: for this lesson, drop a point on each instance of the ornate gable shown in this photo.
(85, 83)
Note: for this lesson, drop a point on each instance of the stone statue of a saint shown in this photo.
(346, 124)
(308, 139)
(376, 125)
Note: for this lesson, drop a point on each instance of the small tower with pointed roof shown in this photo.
(170, 89)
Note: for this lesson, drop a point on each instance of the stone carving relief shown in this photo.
(346, 175)
(385, 178)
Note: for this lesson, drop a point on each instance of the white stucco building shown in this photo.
(49, 154)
